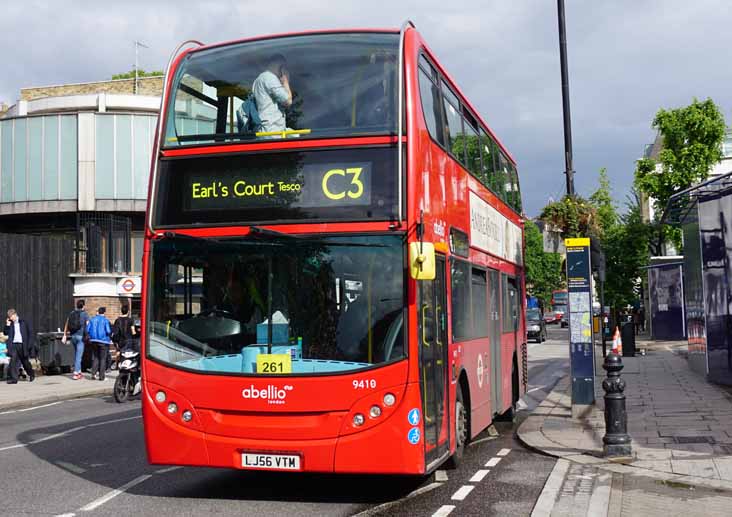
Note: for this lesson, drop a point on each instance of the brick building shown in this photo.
(74, 164)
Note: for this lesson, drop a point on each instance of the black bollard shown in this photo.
(616, 439)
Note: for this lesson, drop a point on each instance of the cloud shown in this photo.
(626, 60)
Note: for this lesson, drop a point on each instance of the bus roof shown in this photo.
(290, 34)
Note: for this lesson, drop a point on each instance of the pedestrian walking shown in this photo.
(76, 327)
(123, 331)
(21, 346)
(100, 337)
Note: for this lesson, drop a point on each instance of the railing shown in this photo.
(103, 243)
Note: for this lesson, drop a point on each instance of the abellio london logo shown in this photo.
(272, 394)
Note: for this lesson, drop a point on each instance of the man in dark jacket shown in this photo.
(21, 346)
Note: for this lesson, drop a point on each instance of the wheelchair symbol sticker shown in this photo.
(413, 416)
(413, 436)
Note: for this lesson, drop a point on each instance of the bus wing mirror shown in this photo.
(422, 260)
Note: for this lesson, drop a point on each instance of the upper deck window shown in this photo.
(313, 86)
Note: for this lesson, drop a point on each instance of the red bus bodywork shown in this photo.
(316, 421)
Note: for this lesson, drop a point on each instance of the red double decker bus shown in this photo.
(333, 260)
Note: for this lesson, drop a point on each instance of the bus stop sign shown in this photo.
(579, 308)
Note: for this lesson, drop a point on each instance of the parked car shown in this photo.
(535, 325)
(564, 321)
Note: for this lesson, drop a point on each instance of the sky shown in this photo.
(627, 59)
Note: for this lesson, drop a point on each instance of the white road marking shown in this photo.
(503, 452)
(70, 466)
(115, 421)
(600, 498)
(65, 515)
(478, 476)
(38, 407)
(440, 475)
(66, 433)
(462, 492)
(166, 470)
(444, 511)
(114, 493)
(379, 509)
(547, 498)
(29, 408)
(493, 462)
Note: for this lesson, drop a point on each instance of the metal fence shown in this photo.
(103, 243)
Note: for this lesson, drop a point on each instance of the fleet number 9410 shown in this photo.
(364, 384)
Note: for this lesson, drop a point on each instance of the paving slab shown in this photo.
(52, 388)
(681, 430)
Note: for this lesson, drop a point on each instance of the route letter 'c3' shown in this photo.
(355, 181)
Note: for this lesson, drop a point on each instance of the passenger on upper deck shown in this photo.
(272, 92)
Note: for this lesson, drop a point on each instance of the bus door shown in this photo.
(432, 328)
(494, 309)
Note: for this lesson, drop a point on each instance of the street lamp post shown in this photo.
(569, 171)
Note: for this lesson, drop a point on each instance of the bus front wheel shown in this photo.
(461, 429)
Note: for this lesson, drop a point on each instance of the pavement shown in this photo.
(52, 388)
(681, 430)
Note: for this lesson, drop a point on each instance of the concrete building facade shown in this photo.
(74, 163)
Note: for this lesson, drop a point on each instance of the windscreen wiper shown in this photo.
(266, 232)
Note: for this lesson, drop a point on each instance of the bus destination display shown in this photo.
(314, 185)
(310, 185)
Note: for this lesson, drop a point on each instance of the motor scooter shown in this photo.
(128, 381)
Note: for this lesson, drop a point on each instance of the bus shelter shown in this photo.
(704, 213)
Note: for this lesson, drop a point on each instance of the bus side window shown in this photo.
(430, 95)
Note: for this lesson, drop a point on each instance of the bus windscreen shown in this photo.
(314, 86)
(324, 303)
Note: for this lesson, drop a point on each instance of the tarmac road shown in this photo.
(87, 457)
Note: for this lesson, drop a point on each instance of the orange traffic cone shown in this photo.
(617, 342)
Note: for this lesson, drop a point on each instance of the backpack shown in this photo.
(122, 330)
(247, 116)
(74, 321)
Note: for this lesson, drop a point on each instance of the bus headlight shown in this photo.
(389, 399)
(160, 396)
(358, 420)
(375, 412)
(172, 408)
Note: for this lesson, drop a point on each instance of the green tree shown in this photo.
(626, 253)
(140, 73)
(602, 200)
(692, 138)
(543, 270)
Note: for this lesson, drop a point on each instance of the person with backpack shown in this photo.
(76, 327)
(123, 330)
(100, 337)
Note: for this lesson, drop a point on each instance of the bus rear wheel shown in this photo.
(461, 430)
